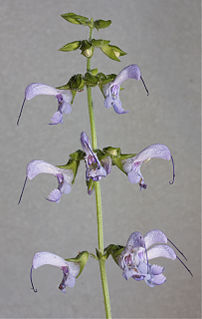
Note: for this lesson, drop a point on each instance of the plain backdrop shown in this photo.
(163, 38)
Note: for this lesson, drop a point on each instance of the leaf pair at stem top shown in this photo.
(87, 46)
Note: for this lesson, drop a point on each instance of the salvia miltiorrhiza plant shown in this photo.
(134, 257)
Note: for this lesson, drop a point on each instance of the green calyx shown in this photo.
(114, 251)
(74, 162)
(91, 78)
(81, 259)
(117, 157)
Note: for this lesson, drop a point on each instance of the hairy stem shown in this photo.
(98, 197)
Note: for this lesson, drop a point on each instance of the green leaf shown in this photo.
(108, 50)
(76, 19)
(99, 43)
(101, 24)
(71, 46)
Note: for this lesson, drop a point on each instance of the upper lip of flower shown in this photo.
(132, 165)
(64, 178)
(64, 100)
(111, 90)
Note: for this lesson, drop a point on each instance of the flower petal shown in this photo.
(153, 151)
(118, 106)
(156, 269)
(56, 118)
(153, 237)
(129, 72)
(108, 102)
(55, 196)
(135, 240)
(38, 166)
(46, 258)
(161, 251)
(66, 188)
(156, 280)
(135, 176)
(35, 89)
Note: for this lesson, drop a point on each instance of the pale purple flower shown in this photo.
(111, 90)
(70, 269)
(132, 165)
(64, 100)
(94, 169)
(64, 178)
(134, 260)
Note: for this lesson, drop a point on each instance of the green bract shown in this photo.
(112, 51)
(74, 162)
(101, 24)
(99, 43)
(76, 19)
(82, 259)
(71, 46)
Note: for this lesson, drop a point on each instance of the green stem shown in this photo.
(98, 197)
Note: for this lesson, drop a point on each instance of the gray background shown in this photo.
(163, 38)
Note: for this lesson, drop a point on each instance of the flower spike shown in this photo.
(64, 100)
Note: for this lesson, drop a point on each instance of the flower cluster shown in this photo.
(65, 97)
(97, 169)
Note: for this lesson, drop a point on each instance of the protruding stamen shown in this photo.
(22, 190)
(185, 266)
(171, 182)
(177, 249)
(35, 290)
(21, 111)
(143, 82)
